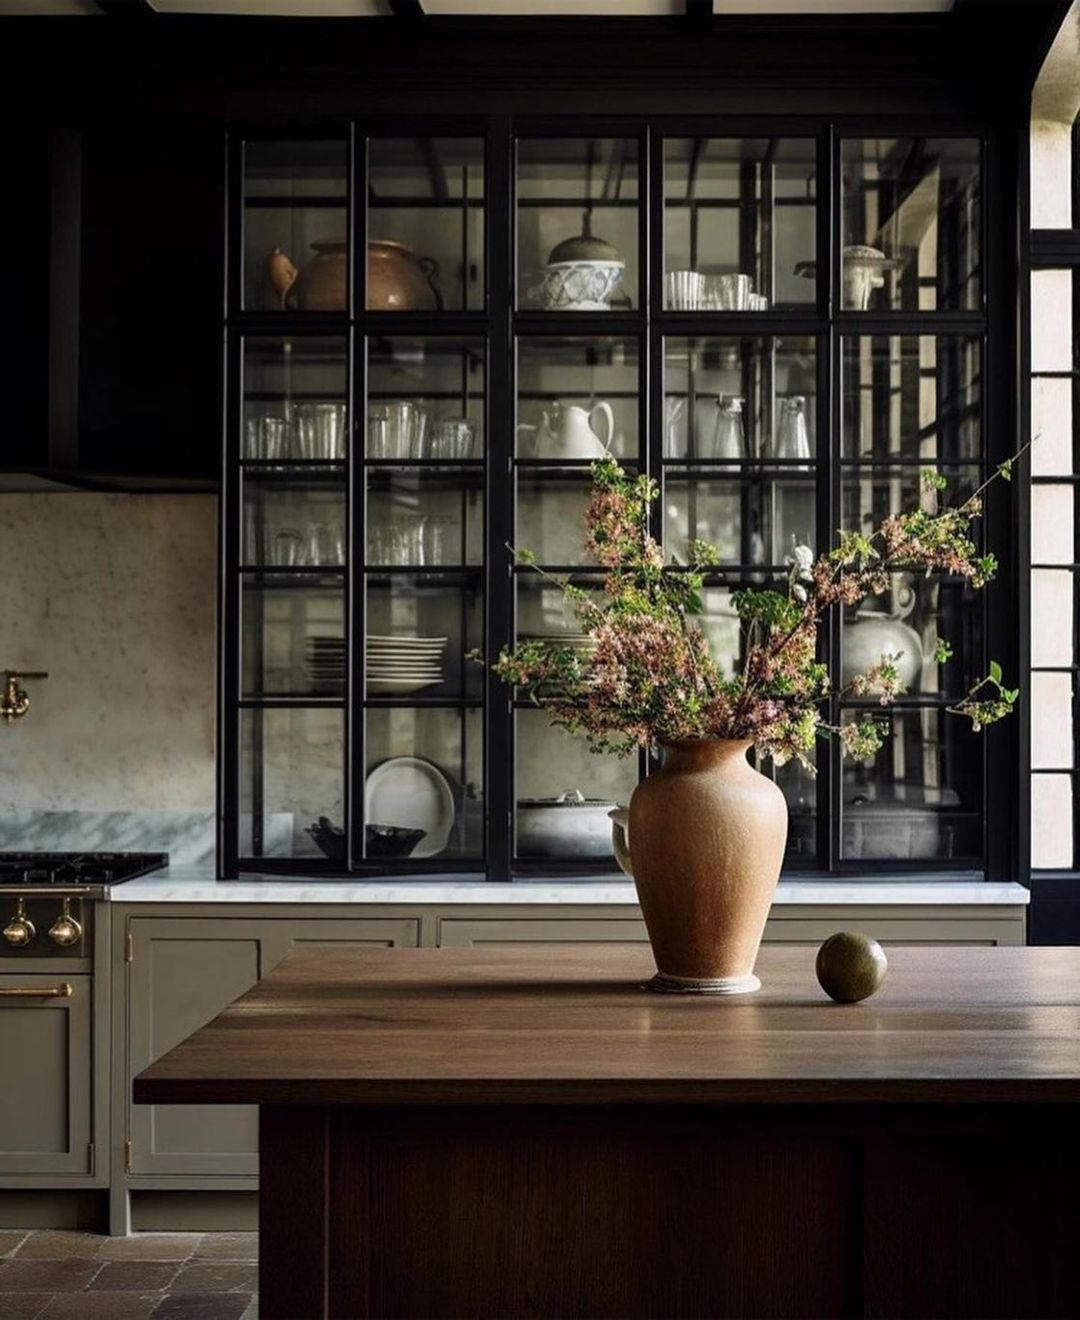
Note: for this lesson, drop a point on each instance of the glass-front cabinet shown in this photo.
(433, 335)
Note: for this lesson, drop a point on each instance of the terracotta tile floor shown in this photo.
(53, 1275)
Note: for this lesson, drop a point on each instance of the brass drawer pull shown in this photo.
(32, 992)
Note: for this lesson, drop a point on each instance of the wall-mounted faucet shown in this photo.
(15, 702)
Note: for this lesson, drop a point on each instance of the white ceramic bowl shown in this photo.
(577, 286)
(567, 826)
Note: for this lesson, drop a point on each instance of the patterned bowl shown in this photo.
(577, 286)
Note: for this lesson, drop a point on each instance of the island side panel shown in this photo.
(293, 1211)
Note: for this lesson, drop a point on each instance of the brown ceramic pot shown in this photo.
(707, 835)
(323, 284)
(397, 280)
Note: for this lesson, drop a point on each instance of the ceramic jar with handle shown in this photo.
(569, 431)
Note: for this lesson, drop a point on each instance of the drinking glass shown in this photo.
(734, 292)
(378, 436)
(684, 290)
(437, 539)
(326, 545)
(265, 437)
(304, 431)
(288, 548)
(453, 438)
(329, 421)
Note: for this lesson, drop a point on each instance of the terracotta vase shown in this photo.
(706, 842)
(399, 281)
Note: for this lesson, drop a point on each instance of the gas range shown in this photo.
(46, 907)
(87, 874)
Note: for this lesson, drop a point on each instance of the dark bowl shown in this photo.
(382, 840)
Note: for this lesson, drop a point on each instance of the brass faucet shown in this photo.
(15, 701)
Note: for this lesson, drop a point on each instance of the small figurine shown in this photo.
(280, 274)
(851, 966)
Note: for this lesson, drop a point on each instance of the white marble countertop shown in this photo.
(198, 885)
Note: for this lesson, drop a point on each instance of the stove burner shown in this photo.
(73, 869)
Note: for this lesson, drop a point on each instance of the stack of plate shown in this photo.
(324, 664)
(580, 643)
(403, 664)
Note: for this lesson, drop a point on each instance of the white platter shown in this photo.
(411, 793)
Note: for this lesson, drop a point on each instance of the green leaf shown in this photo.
(995, 672)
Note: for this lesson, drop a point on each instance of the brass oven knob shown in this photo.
(65, 930)
(20, 929)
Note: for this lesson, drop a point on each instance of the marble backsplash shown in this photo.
(115, 596)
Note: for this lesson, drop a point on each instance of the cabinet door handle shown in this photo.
(33, 992)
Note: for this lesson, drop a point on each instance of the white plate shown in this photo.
(413, 794)
(377, 638)
(392, 687)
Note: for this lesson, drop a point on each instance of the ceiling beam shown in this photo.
(411, 9)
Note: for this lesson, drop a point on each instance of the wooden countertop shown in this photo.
(339, 1025)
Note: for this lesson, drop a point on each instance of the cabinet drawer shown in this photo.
(464, 933)
(46, 1110)
(183, 972)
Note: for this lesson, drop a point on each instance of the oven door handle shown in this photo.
(34, 992)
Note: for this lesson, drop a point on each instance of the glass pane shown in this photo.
(577, 398)
(1052, 347)
(750, 398)
(295, 226)
(1052, 518)
(800, 789)
(419, 631)
(911, 222)
(1052, 593)
(1052, 806)
(287, 628)
(739, 223)
(424, 792)
(425, 398)
(1052, 721)
(295, 394)
(425, 224)
(551, 763)
(752, 519)
(871, 494)
(921, 796)
(425, 517)
(911, 397)
(291, 775)
(577, 224)
(551, 504)
(294, 520)
(1051, 427)
(908, 620)
(541, 608)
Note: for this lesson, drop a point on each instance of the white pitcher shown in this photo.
(569, 431)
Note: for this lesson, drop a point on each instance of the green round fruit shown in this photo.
(851, 966)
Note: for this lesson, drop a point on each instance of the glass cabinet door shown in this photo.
(578, 224)
(293, 550)
(740, 224)
(425, 224)
(911, 228)
(295, 223)
(424, 597)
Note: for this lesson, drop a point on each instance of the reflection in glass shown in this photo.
(739, 206)
(424, 517)
(908, 620)
(295, 394)
(286, 628)
(425, 224)
(751, 519)
(773, 380)
(419, 631)
(291, 774)
(911, 397)
(551, 764)
(551, 505)
(799, 787)
(295, 226)
(425, 398)
(911, 221)
(921, 796)
(577, 224)
(424, 789)
(577, 398)
(870, 494)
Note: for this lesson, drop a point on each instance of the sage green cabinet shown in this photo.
(183, 971)
(46, 1105)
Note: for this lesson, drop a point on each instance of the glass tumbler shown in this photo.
(453, 438)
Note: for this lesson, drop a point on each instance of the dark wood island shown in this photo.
(526, 1133)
